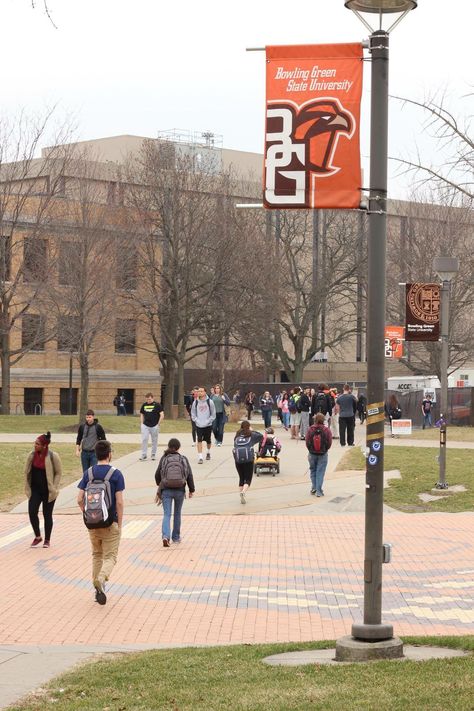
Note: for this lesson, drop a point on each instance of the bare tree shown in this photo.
(306, 288)
(28, 187)
(184, 251)
(429, 228)
(452, 175)
(90, 238)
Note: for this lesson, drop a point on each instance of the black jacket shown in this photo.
(327, 407)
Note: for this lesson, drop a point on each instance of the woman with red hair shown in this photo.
(42, 476)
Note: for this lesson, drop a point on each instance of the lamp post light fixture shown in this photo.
(446, 268)
(373, 639)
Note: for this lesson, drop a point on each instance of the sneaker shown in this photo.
(177, 540)
(153, 457)
(36, 541)
(166, 542)
(100, 595)
(208, 456)
(46, 544)
(142, 459)
(199, 460)
(193, 444)
(219, 444)
(242, 498)
(313, 491)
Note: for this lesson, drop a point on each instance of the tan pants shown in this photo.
(105, 545)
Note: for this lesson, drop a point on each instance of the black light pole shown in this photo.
(446, 268)
(372, 638)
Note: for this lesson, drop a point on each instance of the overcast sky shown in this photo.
(142, 66)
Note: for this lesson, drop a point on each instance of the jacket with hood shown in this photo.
(203, 412)
(84, 428)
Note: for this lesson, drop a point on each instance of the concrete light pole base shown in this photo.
(349, 649)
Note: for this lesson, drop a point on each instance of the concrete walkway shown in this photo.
(284, 567)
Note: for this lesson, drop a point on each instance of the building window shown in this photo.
(68, 333)
(69, 256)
(34, 259)
(127, 265)
(5, 257)
(33, 334)
(125, 335)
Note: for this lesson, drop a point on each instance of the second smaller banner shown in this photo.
(422, 312)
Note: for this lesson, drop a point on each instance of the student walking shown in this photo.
(266, 407)
(244, 455)
(100, 499)
(318, 443)
(347, 409)
(151, 416)
(172, 475)
(393, 411)
(250, 400)
(426, 409)
(221, 403)
(88, 434)
(43, 473)
(305, 409)
(203, 414)
(189, 403)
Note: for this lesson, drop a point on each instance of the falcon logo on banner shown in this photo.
(312, 153)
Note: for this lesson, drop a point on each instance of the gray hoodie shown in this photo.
(203, 412)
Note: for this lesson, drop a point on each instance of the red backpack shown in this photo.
(316, 440)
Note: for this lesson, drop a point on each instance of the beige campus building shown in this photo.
(41, 381)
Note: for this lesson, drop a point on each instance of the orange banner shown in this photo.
(312, 154)
(394, 337)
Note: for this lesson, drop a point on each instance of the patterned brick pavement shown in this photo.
(235, 579)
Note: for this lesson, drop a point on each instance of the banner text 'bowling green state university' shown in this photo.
(312, 153)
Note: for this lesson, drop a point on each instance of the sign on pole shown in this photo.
(312, 152)
(422, 312)
(394, 337)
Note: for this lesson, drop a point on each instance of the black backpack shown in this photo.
(316, 440)
(321, 404)
(243, 450)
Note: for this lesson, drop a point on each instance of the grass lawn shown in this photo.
(419, 469)
(235, 679)
(111, 423)
(12, 467)
(456, 434)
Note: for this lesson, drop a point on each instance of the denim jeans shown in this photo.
(317, 470)
(218, 426)
(427, 420)
(167, 498)
(267, 418)
(88, 459)
(286, 419)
